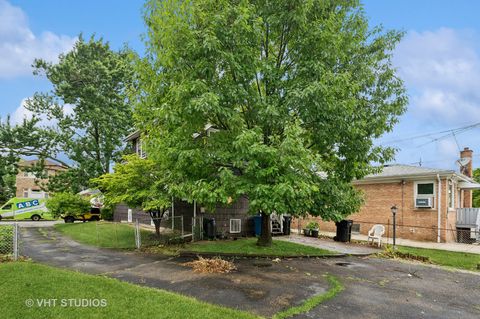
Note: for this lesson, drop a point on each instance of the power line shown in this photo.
(437, 161)
(450, 132)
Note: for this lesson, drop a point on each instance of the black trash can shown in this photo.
(287, 222)
(344, 231)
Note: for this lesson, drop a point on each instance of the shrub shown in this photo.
(67, 204)
(313, 225)
(107, 213)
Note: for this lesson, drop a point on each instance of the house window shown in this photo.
(451, 195)
(356, 228)
(143, 154)
(25, 192)
(424, 194)
(140, 148)
(235, 226)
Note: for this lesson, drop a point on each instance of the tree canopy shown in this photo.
(80, 123)
(279, 101)
(67, 204)
(137, 182)
(8, 172)
(476, 193)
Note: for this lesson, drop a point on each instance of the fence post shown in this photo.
(181, 220)
(116, 235)
(96, 230)
(193, 229)
(138, 241)
(388, 232)
(15, 241)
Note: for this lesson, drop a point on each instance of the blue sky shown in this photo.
(439, 60)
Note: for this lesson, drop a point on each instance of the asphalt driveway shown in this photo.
(374, 288)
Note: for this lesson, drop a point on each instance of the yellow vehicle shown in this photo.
(93, 215)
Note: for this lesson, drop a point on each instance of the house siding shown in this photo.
(222, 215)
(236, 210)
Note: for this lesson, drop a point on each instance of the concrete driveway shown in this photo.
(374, 288)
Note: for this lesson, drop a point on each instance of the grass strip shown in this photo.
(248, 246)
(26, 284)
(335, 287)
(454, 259)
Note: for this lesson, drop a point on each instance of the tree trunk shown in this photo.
(156, 216)
(265, 238)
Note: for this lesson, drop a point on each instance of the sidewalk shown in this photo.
(343, 248)
(465, 248)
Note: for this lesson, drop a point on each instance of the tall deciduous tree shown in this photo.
(87, 113)
(279, 101)
(138, 183)
(476, 193)
(8, 172)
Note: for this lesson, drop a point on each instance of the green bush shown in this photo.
(313, 225)
(67, 204)
(107, 213)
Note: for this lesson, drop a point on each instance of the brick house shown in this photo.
(433, 204)
(28, 185)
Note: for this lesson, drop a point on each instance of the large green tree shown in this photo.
(8, 172)
(137, 182)
(476, 193)
(87, 113)
(278, 101)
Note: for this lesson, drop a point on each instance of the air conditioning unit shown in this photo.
(424, 202)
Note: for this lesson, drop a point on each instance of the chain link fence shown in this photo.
(139, 234)
(422, 233)
(9, 241)
(197, 228)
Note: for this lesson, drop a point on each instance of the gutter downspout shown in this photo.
(439, 208)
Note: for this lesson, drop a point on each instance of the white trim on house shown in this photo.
(424, 196)
(235, 226)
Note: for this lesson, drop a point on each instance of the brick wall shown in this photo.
(412, 223)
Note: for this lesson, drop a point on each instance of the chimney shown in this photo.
(467, 169)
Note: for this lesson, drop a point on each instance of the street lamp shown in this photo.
(394, 213)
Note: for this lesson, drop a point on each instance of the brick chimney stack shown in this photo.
(467, 170)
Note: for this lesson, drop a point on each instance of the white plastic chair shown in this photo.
(376, 232)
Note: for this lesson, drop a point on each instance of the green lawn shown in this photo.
(248, 246)
(25, 280)
(445, 258)
(101, 234)
(114, 235)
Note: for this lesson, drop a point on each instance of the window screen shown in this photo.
(425, 189)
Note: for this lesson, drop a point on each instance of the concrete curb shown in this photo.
(193, 254)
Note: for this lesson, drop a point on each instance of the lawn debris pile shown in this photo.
(214, 265)
(390, 253)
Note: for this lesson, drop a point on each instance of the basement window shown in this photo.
(356, 228)
(235, 226)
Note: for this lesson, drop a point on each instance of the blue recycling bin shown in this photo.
(258, 224)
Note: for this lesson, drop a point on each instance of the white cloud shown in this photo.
(22, 113)
(19, 46)
(442, 71)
